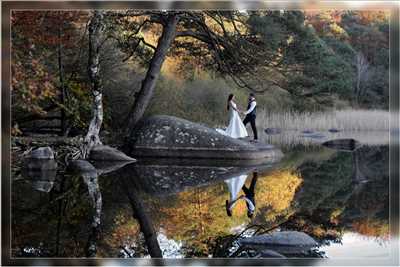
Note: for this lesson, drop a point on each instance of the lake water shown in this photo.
(179, 208)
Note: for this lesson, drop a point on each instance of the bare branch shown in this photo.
(147, 44)
(195, 35)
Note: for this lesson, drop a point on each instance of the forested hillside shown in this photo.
(292, 60)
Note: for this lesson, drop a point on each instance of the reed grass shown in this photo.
(344, 120)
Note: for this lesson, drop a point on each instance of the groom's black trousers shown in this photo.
(252, 120)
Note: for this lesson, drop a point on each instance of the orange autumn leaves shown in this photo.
(276, 191)
(197, 215)
(33, 83)
(372, 228)
(37, 39)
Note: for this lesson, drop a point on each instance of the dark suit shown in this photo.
(251, 117)
(249, 192)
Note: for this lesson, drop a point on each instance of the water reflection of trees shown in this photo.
(198, 217)
(333, 199)
(56, 221)
(140, 213)
(314, 196)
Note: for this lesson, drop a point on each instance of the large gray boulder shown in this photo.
(161, 177)
(107, 153)
(288, 242)
(168, 136)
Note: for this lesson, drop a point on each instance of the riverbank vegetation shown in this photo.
(295, 62)
(342, 120)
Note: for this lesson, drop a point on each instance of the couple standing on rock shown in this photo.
(237, 128)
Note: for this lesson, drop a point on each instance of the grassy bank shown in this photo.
(346, 120)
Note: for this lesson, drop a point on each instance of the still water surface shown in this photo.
(181, 208)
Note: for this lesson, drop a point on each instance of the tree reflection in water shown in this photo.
(321, 192)
(91, 180)
(140, 214)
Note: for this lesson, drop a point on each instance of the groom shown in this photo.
(251, 115)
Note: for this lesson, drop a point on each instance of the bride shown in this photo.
(236, 128)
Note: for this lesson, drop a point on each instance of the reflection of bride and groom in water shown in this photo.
(235, 186)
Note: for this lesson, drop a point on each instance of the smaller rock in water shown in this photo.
(41, 153)
(307, 132)
(39, 164)
(334, 130)
(342, 144)
(107, 153)
(314, 135)
(40, 172)
(273, 131)
(43, 186)
(284, 238)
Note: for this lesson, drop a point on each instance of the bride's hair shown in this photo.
(229, 99)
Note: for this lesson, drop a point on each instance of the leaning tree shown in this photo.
(227, 40)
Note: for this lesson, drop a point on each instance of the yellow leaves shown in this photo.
(31, 87)
(125, 231)
(47, 92)
(290, 39)
(318, 232)
(335, 214)
(15, 131)
(276, 192)
(31, 84)
(240, 209)
(197, 215)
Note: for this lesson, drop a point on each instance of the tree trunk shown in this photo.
(61, 79)
(145, 94)
(362, 67)
(95, 31)
(358, 85)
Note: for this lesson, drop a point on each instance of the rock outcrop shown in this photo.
(168, 136)
(160, 177)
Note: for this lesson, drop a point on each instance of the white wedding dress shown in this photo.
(236, 128)
(235, 185)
